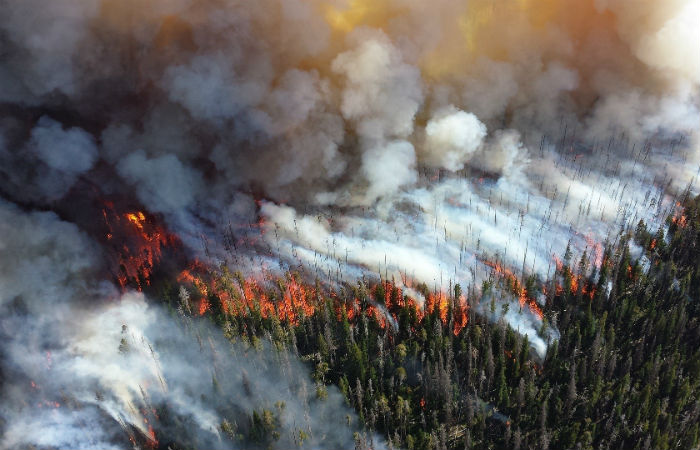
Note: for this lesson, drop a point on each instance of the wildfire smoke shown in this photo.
(433, 143)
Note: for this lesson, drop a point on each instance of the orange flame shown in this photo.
(152, 437)
(679, 217)
(577, 280)
(517, 288)
(460, 315)
(204, 306)
(437, 301)
(136, 218)
(295, 300)
(138, 244)
(680, 220)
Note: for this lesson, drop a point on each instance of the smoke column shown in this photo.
(427, 142)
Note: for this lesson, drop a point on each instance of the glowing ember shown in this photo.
(578, 283)
(152, 437)
(136, 218)
(204, 306)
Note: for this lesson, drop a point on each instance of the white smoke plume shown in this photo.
(452, 137)
(422, 141)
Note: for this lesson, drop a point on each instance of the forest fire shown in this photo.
(138, 242)
(576, 282)
(597, 249)
(153, 442)
(513, 283)
(290, 300)
(679, 219)
(237, 296)
(243, 188)
(204, 306)
(460, 315)
(297, 300)
(435, 302)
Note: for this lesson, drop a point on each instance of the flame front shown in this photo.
(291, 300)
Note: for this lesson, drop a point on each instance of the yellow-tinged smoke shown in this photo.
(328, 80)
(462, 33)
(467, 31)
(446, 40)
(541, 12)
(507, 31)
(358, 12)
